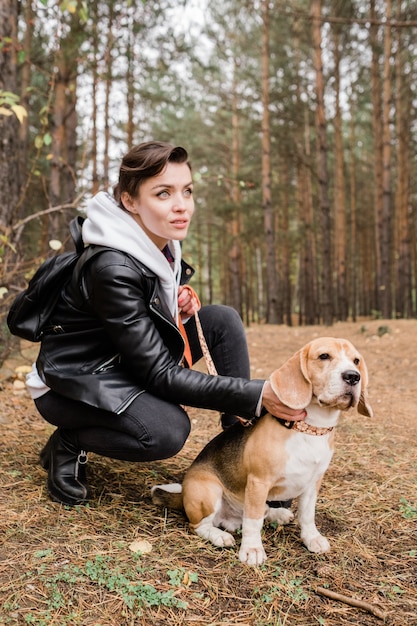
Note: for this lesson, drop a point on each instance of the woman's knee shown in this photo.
(221, 316)
(160, 431)
(168, 439)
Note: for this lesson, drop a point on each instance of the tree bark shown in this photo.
(272, 316)
(404, 223)
(25, 73)
(108, 64)
(377, 157)
(10, 178)
(326, 290)
(235, 250)
(64, 133)
(307, 292)
(94, 96)
(386, 217)
(340, 221)
(285, 314)
(130, 90)
(353, 262)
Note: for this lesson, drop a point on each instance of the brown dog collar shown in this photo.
(303, 427)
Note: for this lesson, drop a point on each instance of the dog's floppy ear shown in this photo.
(291, 383)
(364, 408)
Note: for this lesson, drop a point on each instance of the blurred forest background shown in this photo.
(299, 117)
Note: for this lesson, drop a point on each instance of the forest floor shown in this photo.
(120, 561)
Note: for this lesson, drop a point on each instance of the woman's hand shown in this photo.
(274, 405)
(187, 302)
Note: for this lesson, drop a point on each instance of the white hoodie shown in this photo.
(109, 225)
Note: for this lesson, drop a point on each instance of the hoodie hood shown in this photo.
(109, 225)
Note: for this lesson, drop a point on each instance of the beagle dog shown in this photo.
(241, 475)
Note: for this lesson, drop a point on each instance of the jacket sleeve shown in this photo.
(122, 300)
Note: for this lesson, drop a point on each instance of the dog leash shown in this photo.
(211, 368)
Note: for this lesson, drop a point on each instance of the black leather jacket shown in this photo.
(114, 338)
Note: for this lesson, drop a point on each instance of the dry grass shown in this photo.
(75, 566)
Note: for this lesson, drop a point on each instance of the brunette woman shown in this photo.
(116, 380)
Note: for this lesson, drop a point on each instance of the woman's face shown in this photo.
(164, 205)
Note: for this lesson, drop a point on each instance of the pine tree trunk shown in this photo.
(272, 316)
(307, 294)
(25, 74)
(326, 290)
(94, 95)
(235, 252)
(284, 248)
(353, 251)
(130, 98)
(404, 223)
(339, 213)
(386, 217)
(10, 183)
(108, 63)
(260, 298)
(308, 288)
(10, 161)
(64, 133)
(377, 157)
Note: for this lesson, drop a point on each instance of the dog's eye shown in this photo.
(356, 361)
(324, 356)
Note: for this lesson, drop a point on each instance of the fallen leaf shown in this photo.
(143, 546)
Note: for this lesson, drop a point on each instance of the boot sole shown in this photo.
(65, 500)
(59, 496)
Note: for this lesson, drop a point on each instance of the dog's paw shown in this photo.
(280, 516)
(253, 556)
(216, 536)
(221, 538)
(317, 544)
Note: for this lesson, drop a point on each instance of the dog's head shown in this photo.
(327, 371)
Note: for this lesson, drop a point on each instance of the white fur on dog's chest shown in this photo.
(308, 457)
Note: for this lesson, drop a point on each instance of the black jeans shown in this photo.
(152, 428)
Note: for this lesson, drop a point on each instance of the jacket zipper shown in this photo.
(171, 323)
(107, 365)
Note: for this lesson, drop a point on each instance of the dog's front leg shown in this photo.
(251, 550)
(312, 539)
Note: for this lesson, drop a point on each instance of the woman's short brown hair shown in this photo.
(145, 161)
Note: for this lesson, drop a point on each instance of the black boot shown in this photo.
(65, 464)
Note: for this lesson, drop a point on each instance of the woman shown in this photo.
(115, 380)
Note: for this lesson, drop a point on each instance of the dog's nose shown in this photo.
(351, 377)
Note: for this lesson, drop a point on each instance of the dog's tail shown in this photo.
(169, 496)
